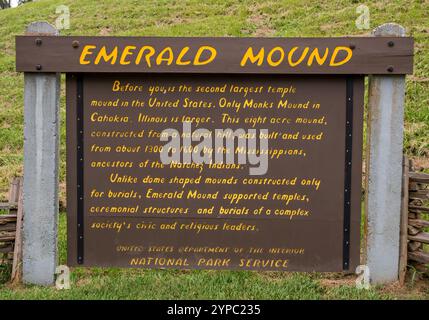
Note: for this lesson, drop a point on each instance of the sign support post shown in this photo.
(41, 166)
(384, 167)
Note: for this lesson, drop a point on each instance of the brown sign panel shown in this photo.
(126, 208)
(347, 55)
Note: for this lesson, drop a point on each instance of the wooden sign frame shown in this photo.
(368, 55)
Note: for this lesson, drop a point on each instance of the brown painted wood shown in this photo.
(71, 163)
(370, 55)
(355, 235)
(72, 170)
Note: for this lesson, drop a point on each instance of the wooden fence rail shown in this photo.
(415, 219)
(11, 229)
(7, 237)
(418, 217)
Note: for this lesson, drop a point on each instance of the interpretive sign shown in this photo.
(136, 211)
(214, 153)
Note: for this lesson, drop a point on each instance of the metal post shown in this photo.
(384, 168)
(41, 165)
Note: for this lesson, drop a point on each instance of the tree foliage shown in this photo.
(4, 4)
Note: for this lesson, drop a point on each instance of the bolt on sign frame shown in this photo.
(331, 70)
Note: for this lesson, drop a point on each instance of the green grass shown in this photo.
(115, 283)
(206, 18)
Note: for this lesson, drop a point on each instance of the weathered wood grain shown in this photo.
(404, 221)
(413, 245)
(7, 235)
(419, 256)
(413, 231)
(419, 208)
(419, 177)
(6, 248)
(11, 226)
(421, 237)
(17, 252)
(418, 223)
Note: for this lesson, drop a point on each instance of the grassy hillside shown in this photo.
(207, 18)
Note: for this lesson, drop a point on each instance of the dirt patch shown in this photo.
(105, 31)
(420, 163)
(62, 197)
(417, 78)
(419, 288)
(261, 21)
(335, 279)
(347, 281)
(412, 289)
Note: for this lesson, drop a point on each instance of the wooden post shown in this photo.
(384, 156)
(41, 164)
(403, 256)
(17, 250)
(14, 191)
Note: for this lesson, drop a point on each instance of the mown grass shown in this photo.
(114, 283)
(206, 18)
